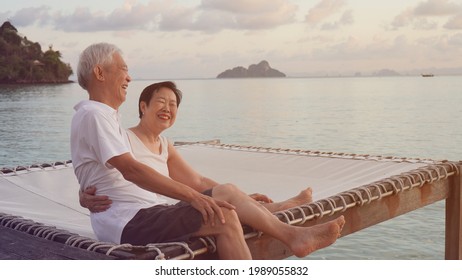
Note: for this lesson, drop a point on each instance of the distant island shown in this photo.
(23, 62)
(260, 70)
(386, 73)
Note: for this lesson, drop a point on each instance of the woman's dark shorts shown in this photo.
(163, 223)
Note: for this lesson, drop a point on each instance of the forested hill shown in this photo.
(22, 61)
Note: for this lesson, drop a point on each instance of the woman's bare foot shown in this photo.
(304, 197)
(309, 239)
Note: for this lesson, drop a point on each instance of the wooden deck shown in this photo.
(16, 245)
(23, 244)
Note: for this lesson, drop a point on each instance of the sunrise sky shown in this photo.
(168, 39)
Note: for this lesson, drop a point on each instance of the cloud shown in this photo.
(425, 24)
(128, 17)
(346, 19)
(177, 18)
(164, 15)
(436, 8)
(243, 14)
(4, 15)
(28, 16)
(246, 6)
(403, 19)
(456, 40)
(324, 10)
(400, 53)
(454, 22)
(217, 15)
(418, 16)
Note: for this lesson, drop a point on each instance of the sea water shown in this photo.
(401, 116)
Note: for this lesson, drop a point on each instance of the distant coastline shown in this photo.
(375, 74)
(382, 73)
(44, 82)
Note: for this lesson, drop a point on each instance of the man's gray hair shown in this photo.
(101, 53)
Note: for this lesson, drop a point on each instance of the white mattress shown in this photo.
(49, 195)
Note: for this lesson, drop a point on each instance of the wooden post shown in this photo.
(454, 218)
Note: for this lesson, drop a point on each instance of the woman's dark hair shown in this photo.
(149, 91)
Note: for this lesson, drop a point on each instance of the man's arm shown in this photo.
(149, 179)
(94, 203)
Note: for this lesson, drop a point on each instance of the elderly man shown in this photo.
(102, 158)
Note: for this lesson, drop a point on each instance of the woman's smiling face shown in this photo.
(162, 108)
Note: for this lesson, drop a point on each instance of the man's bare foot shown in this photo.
(310, 239)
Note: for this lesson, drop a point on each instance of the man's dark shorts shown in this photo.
(163, 223)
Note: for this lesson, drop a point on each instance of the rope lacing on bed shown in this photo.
(29, 168)
(31, 227)
(369, 193)
(319, 153)
(161, 256)
(79, 241)
(75, 240)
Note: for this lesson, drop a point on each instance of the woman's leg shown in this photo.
(304, 197)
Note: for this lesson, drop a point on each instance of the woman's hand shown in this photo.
(94, 203)
(261, 198)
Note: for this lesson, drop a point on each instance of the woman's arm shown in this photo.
(182, 172)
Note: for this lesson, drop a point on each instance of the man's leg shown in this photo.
(230, 240)
(301, 240)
